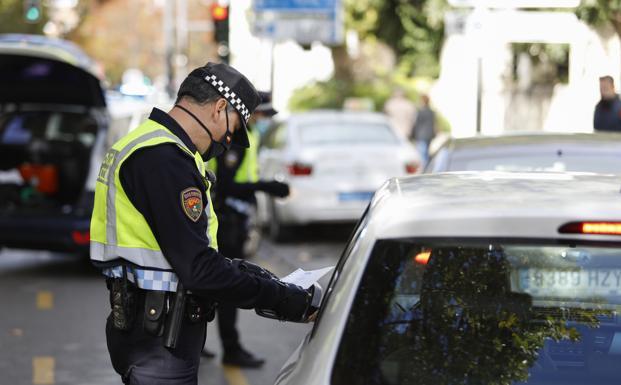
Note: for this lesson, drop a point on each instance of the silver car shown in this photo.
(542, 151)
(333, 162)
(474, 278)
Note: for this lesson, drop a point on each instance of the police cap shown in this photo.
(236, 89)
(266, 106)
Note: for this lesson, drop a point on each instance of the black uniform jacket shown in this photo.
(154, 179)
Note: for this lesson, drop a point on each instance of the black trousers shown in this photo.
(232, 234)
(141, 358)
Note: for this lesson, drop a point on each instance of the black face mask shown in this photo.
(216, 148)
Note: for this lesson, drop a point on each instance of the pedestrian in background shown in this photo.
(424, 129)
(154, 233)
(237, 177)
(607, 116)
(401, 111)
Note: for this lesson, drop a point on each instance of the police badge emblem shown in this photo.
(192, 203)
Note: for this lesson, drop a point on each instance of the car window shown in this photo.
(276, 137)
(20, 128)
(338, 133)
(438, 162)
(449, 312)
(601, 162)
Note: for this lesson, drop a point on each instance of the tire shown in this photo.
(277, 231)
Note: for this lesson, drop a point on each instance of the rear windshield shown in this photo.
(484, 313)
(598, 161)
(21, 128)
(339, 133)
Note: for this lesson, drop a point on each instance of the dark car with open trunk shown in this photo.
(53, 125)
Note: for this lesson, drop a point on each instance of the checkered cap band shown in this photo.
(146, 279)
(229, 95)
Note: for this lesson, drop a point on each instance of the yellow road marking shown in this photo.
(45, 300)
(234, 375)
(43, 370)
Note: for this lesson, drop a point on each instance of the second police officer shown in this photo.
(237, 178)
(153, 233)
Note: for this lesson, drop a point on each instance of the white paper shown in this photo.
(306, 278)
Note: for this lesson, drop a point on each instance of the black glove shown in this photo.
(253, 269)
(275, 188)
(294, 306)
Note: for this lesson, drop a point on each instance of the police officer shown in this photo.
(237, 181)
(153, 233)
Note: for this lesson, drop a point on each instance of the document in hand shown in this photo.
(306, 278)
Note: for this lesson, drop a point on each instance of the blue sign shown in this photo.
(304, 21)
(295, 5)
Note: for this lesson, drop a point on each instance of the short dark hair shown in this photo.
(198, 90)
(607, 78)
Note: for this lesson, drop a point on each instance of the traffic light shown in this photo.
(220, 17)
(32, 11)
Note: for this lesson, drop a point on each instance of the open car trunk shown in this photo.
(44, 158)
(52, 114)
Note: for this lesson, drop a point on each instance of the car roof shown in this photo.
(534, 139)
(49, 48)
(337, 115)
(494, 204)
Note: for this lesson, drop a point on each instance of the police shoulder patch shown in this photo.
(192, 203)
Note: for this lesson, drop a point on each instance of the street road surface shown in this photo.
(54, 308)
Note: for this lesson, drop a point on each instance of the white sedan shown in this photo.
(474, 278)
(333, 162)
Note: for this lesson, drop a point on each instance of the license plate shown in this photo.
(355, 196)
(584, 283)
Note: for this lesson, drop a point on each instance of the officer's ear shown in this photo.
(221, 105)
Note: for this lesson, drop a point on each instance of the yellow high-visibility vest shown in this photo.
(118, 229)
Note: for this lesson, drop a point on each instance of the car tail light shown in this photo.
(300, 169)
(422, 257)
(601, 228)
(411, 168)
(81, 237)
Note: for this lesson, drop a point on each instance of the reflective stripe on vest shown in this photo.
(118, 229)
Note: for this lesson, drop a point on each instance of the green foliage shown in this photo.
(414, 29)
(550, 61)
(332, 94)
(12, 19)
(597, 12)
(601, 12)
